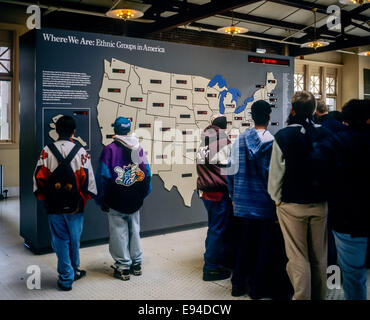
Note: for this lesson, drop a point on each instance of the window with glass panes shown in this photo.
(298, 82)
(315, 84)
(330, 85)
(331, 88)
(323, 80)
(6, 81)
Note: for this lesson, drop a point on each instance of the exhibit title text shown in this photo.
(101, 43)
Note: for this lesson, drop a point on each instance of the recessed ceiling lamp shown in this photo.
(127, 10)
(233, 29)
(366, 53)
(315, 44)
(360, 2)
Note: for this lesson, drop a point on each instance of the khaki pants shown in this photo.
(305, 236)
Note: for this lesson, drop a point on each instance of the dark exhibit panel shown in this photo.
(95, 78)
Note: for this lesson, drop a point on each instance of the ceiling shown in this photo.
(287, 22)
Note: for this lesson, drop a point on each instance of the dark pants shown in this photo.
(332, 250)
(219, 213)
(260, 259)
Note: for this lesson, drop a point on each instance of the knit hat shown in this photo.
(219, 120)
(122, 126)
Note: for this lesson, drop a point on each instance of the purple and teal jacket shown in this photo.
(123, 176)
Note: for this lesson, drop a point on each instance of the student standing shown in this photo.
(347, 160)
(64, 180)
(212, 160)
(260, 246)
(124, 180)
(327, 120)
(301, 199)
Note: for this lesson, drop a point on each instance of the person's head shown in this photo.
(321, 108)
(261, 111)
(122, 126)
(336, 115)
(356, 113)
(219, 120)
(65, 126)
(303, 105)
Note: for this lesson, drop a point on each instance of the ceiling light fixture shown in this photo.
(366, 53)
(127, 10)
(233, 29)
(315, 44)
(360, 2)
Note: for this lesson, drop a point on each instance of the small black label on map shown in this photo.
(114, 90)
(158, 104)
(119, 71)
(181, 81)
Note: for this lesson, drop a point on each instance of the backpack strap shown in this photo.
(56, 152)
(71, 155)
(64, 161)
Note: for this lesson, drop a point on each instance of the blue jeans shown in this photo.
(352, 262)
(124, 241)
(66, 232)
(219, 213)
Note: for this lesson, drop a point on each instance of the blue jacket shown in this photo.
(248, 185)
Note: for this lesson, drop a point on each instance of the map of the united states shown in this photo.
(169, 111)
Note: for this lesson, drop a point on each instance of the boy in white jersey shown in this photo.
(64, 181)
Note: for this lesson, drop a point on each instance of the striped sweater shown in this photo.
(251, 153)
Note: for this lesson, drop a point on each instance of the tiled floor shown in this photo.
(172, 268)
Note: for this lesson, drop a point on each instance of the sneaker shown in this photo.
(121, 274)
(80, 274)
(216, 275)
(136, 269)
(64, 288)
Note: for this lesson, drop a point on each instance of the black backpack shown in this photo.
(62, 194)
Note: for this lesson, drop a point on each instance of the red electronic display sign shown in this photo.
(265, 60)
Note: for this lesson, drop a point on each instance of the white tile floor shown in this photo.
(172, 268)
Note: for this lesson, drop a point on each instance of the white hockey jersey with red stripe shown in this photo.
(81, 166)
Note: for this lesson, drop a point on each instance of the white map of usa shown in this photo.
(168, 112)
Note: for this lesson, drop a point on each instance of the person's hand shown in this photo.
(277, 203)
(104, 208)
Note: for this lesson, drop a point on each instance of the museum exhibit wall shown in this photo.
(179, 85)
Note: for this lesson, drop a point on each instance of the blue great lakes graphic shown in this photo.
(236, 94)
